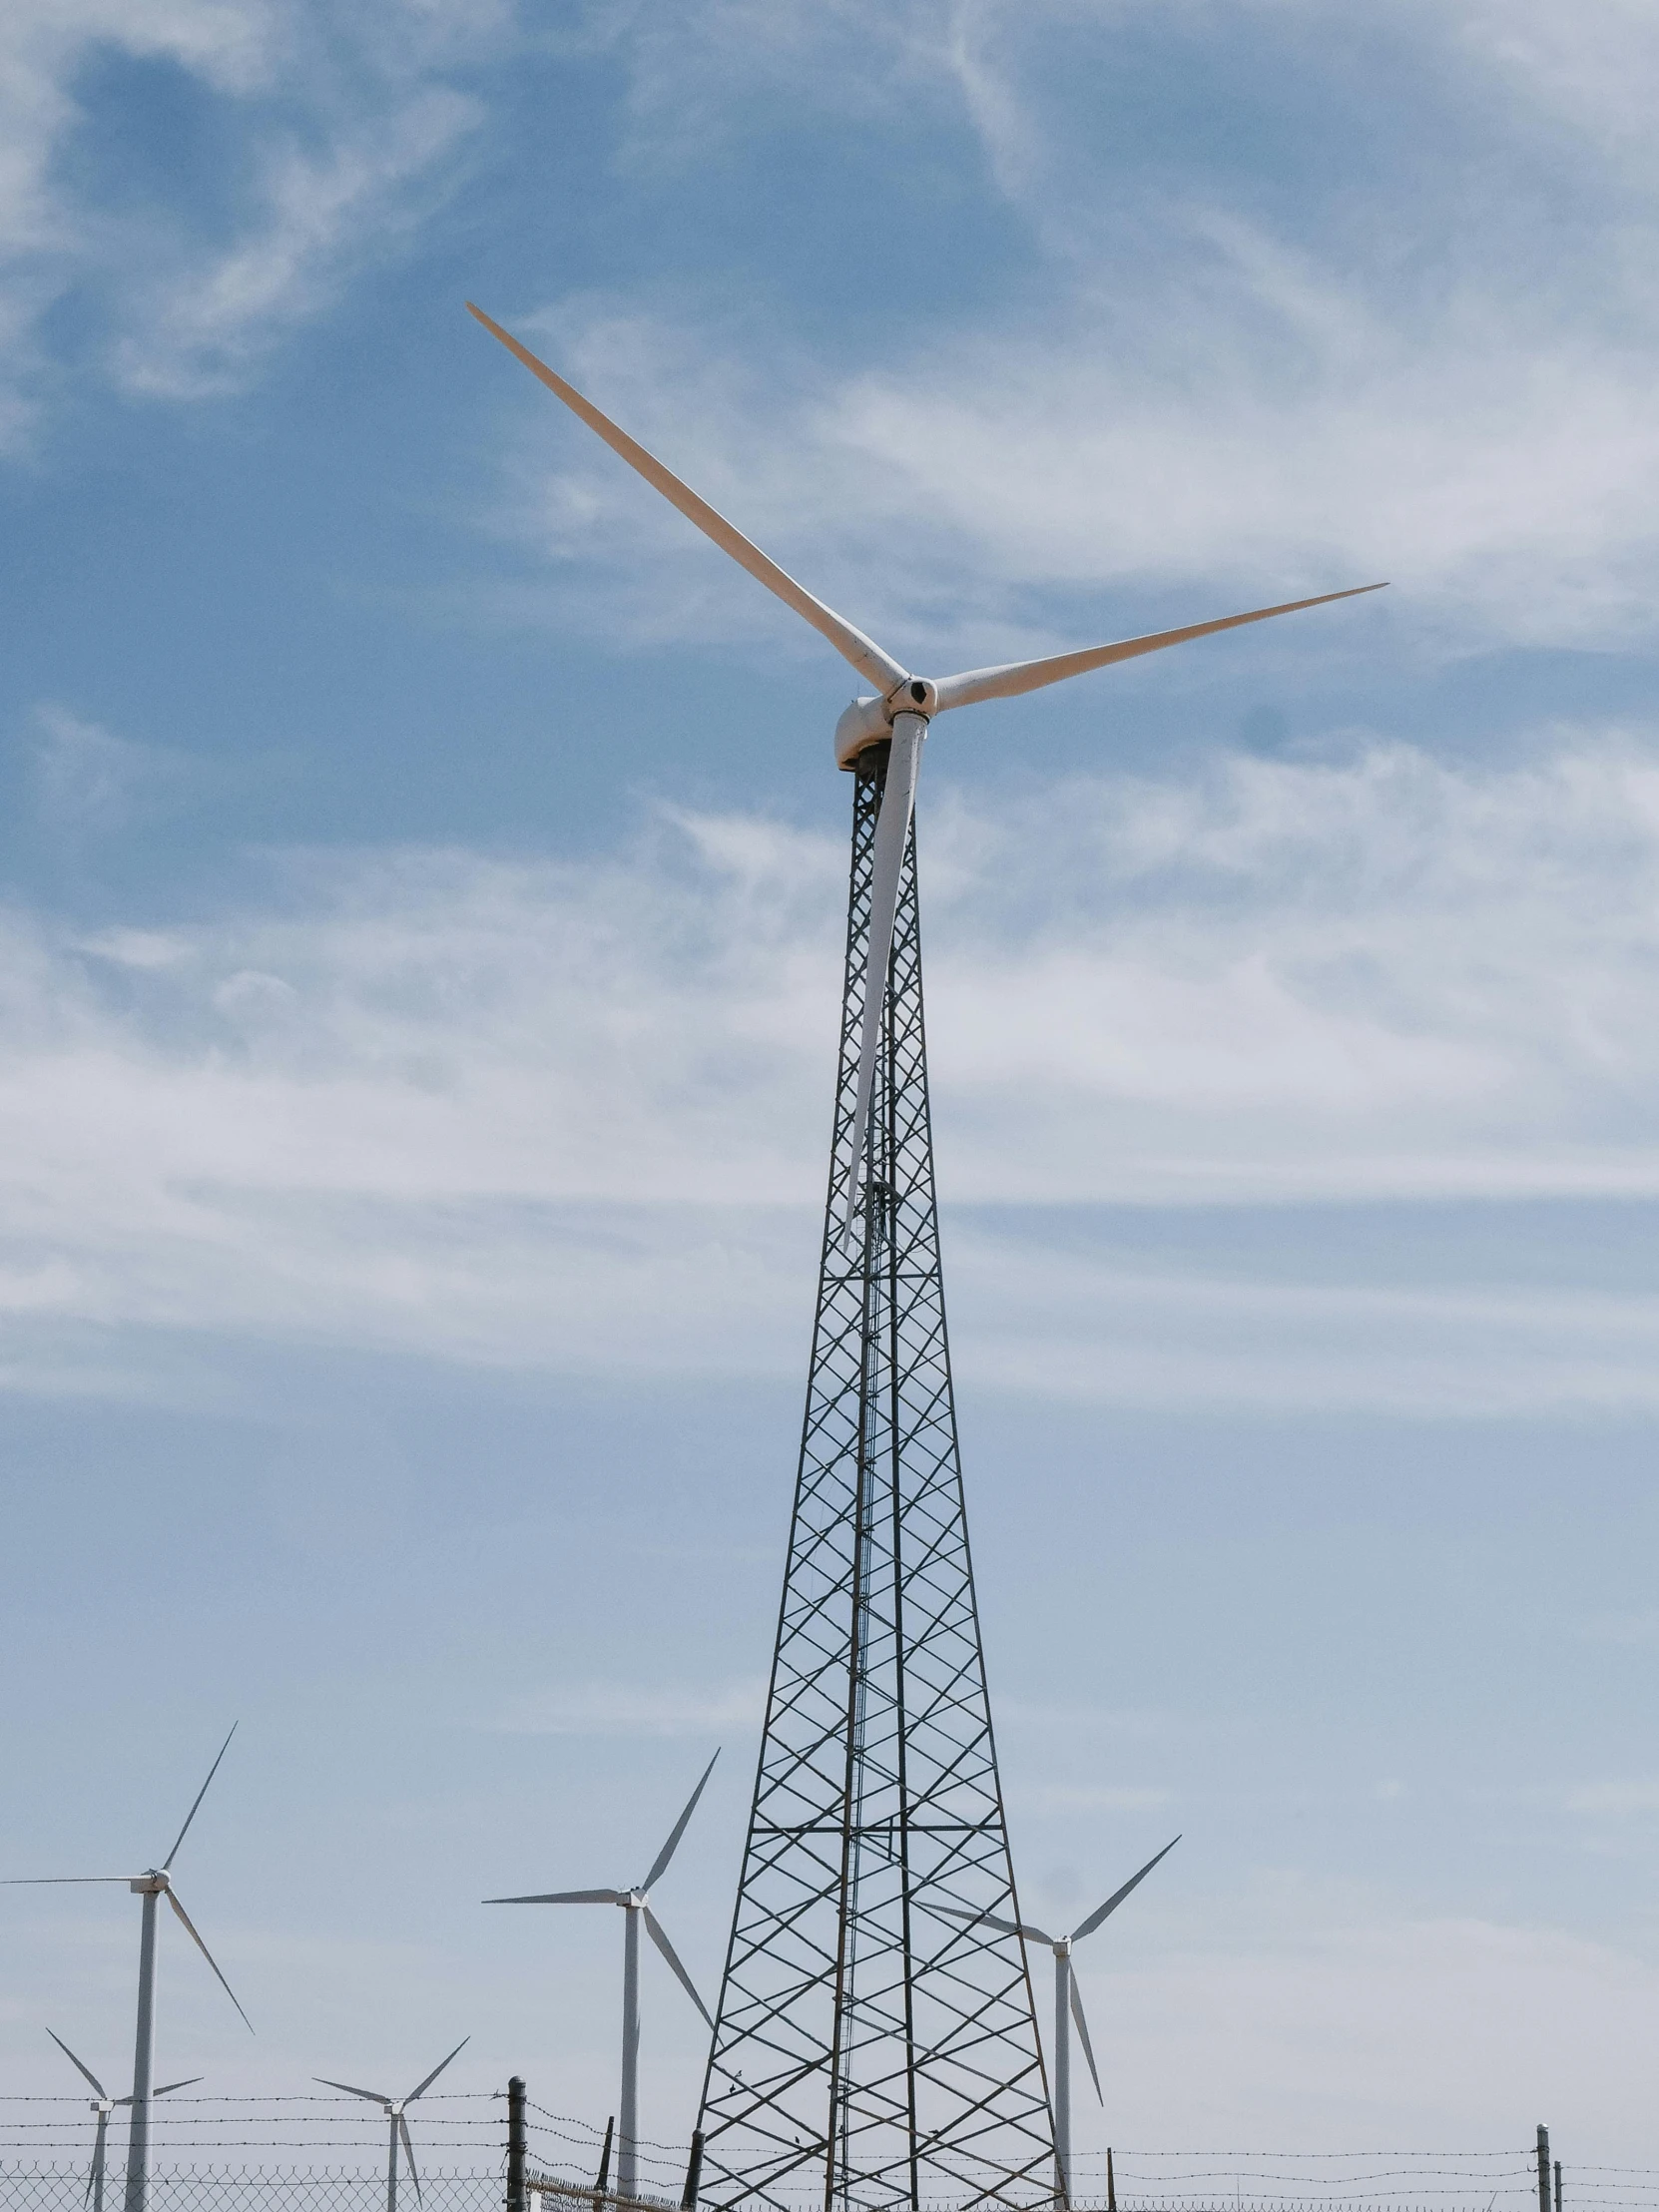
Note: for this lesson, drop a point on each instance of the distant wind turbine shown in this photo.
(394, 2109)
(105, 2105)
(636, 1903)
(1068, 2006)
(153, 1883)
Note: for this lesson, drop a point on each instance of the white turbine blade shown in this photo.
(191, 1815)
(893, 828)
(989, 1920)
(437, 2070)
(85, 2072)
(976, 684)
(408, 2154)
(173, 1899)
(374, 2095)
(1117, 1896)
(659, 1865)
(865, 656)
(1083, 2036)
(654, 1929)
(45, 1881)
(167, 2088)
(565, 1896)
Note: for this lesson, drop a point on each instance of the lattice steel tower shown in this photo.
(873, 2048)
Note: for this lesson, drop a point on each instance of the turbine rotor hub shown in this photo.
(150, 1885)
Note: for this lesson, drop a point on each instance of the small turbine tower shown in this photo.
(1068, 2007)
(636, 1903)
(105, 2105)
(153, 1883)
(395, 2108)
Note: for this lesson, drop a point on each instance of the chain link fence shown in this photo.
(248, 2189)
(329, 2154)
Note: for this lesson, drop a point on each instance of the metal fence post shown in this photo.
(693, 2173)
(1111, 2183)
(516, 2201)
(1558, 2185)
(604, 2181)
(1543, 2167)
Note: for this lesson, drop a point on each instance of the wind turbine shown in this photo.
(1068, 2006)
(900, 712)
(830, 1969)
(153, 1883)
(105, 2105)
(395, 2107)
(636, 1903)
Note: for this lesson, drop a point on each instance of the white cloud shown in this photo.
(1054, 1322)
(1426, 962)
(1501, 467)
(343, 132)
(1421, 377)
(196, 331)
(1596, 71)
(1192, 393)
(88, 782)
(501, 1111)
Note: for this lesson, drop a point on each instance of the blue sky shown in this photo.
(422, 868)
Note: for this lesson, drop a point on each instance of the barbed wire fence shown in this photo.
(329, 2154)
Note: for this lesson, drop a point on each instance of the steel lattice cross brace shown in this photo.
(871, 2048)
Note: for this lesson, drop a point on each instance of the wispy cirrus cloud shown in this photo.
(88, 781)
(1501, 467)
(1264, 379)
(1328, 981)
(498, 1111)
(201, 322)
(332, 139)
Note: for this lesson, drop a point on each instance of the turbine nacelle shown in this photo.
(150, 1885)
(869, 722)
